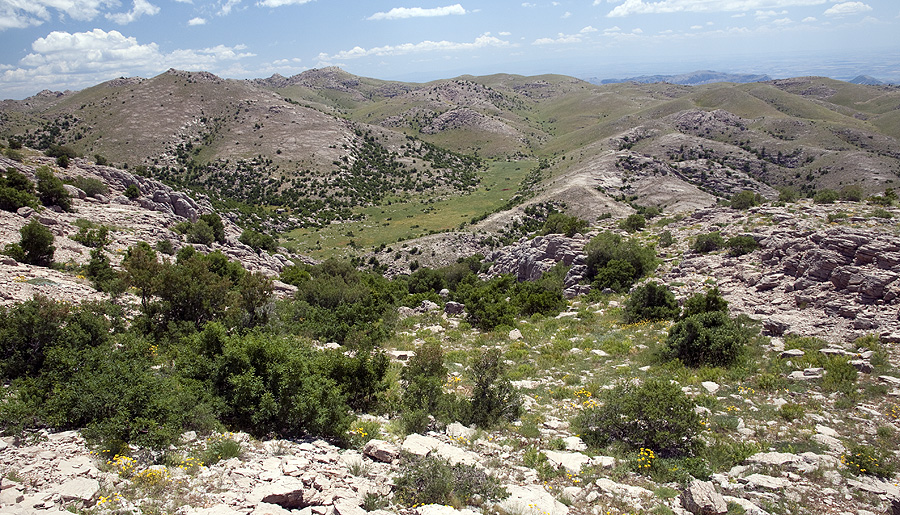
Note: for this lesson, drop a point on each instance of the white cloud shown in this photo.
(227, 7)
(768, 14)
(528, 4)
(398, 13)
(505, 33)
(783, 21)
(281, 3)
(62, 60)
(696, 27)
(846, 8)
(809, 19)
(565, 15)
(29, 13)
(141, 8)
(614, 28)
(483, 41)
(196, 21)
(587, 30)
(629, 7)
(560, 39)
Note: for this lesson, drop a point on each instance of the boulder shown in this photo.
(286, 492)
(571, 461)
(381, 450)
(531, 500)
(701, 498)
(79, 489)
(454, 308)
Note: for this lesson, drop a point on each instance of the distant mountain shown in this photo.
(689, 79)
(866, 80)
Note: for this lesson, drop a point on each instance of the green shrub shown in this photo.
(710, 338)
(426, 280)
(851, 192)
(269, 385)
(654, 414)
(705, 243)
(826, 197)
(791, 411)
(90, 186)
(745, 200)
(666, 239)
(485, 301)
(432, 480)
(92, 237)
(837, 216)
(220, 447)
(35, 246)
(14, 154)
(708, 302)
(16, 191)
(650, 301)
(840, 375)
(132, 191)
(610, 251)
(863, 459)
(51, 190)
(740, 245)
(493, 397)
(214, 221)
(423, 382)
(787, 195)
(258, 241)
(881, 213)
(201, 233)
(633, 223)
(560, 223)
(101, 273)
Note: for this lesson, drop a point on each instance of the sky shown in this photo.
(72, 44)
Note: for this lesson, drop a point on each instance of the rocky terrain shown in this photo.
(149, 218)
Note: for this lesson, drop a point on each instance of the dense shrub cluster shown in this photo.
(258, 241)
(35, 247)
(616, 263)
(432, 480)
(654, 414)
(650, 301)
(560, 223)
(51, 190)
(709, 242)
(706, 334)
(16, 191)
(745, 200)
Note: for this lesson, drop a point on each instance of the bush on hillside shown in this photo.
(710, 338)
(132, 191)
(740, 245)
(258, 241)
(649, 302)
(35, 246)
(560, 223)
(493, 397)
(423, 387)
(432, 480)
(745, 200)
(16, 191)
(826, 197)
(633, 223)
(51, 189)
(654, 414)
(709, 242)
(707, 302)
(614, 262)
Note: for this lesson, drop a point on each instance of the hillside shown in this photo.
(326, 146)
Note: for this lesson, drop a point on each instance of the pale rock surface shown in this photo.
(701, 498)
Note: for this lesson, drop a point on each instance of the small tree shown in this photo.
(35, 247)
(710, 338)
(633, 223)
(650, 301)
(132, 191)
(214, 221)
(655, 414)
(826, 197)
(746, 199)
(708, 242)
(740, 245)
(51, 190)
(705, 303)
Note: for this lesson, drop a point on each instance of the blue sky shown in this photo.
(72, 44)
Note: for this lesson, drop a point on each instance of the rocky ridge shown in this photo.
(149, 218)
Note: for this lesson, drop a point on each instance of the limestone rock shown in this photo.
(701, 498)
(381, 450)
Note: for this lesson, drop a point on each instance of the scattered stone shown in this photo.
(515, 334)
(531, 500)
(701, 498)
(710, 386)
(571, 461)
